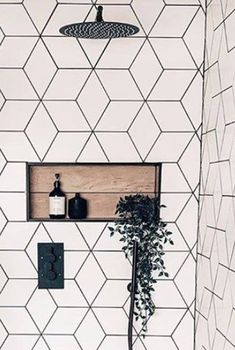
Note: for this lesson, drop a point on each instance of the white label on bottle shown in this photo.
(56, 205)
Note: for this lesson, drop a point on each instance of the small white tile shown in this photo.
(66, 53)
(15, 20)
(13, 177)
(67, 233)
(167, 89)
(118, 115)
(66, 147)
(13, 206)
(172, 53)
(113, 320)
(127, 90)
(40, 120)
(41, 315)
(15, 115)
(67, 115)
(173, 21)
(15, 85)
(93, 91)
(18, 321)
(83, 334)
(17, 264)
(107, 261)
(113, 294)
(90, 286)
(14, 51)
(70, 296)
(146, 69)
(60, 342)
(58, 325)
(16, 147)
(22, 342)
(144, 124)
(118, 147)
(72, 79)
(9, 297)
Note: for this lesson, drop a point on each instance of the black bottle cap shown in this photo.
(77, 194)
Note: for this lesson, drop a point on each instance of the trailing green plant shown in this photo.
(138, 220)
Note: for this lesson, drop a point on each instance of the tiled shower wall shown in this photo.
(216, 248)
(126, 100)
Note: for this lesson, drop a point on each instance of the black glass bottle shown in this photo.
(57, 201)
(77, 207)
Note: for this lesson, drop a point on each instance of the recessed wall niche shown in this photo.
(101, 184)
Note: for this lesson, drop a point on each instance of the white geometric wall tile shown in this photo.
(113, 294)
(74, 261)
(175, 204)
(90, 286)
(39, 14)
(41, 307)
(57, 324)
(67, 233)
(41, 119)
(166, 319)
(14, 51)
(105, 243)
(23, 342)
(3, 281)
(66, 147)
(165, 89)
(146, 69)
(104, 315)
(65, 14)
(3, 221)
(147, 13)
(144, 124)
(184, 333)
(107, 260)
(175, 143)
(125, 91)
(61, 342)
(94, 49)
(12, 121)
(40, 68)
(118, 147)
(16, 147)
(91, 231)
(2, 161)
(118, 115)
(69, 296)
(66, 84)
(16, 264)
(13, 205)
(167, 295)
(41, 345)
(92, 152)
(153, 343)
(120, 53)
(174, 262)
(172, 53)
(117, 342)
(3, 334)
(171, 116)
(16, 85)
(92, 99)
(18, 321)
(24, 290)
(67, 115)
(66, 53)
(173, 179)
(83, 333)
(15, 20)
(173, 21)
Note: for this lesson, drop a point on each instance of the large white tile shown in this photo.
(69, 296)
(8, 179)
(166, 321)
(15, 85)
(92, 152)
(147, 12)
(113, 320)
(17, 264)
(113, 294)
(9, 297)
(21, 342)
(184, 333)
(91, 231)
(18, 321)
(16, 147)
(58, 342)
(107, 261)
(57, 324)
(73, 263)
(39, 14)
(13, 205)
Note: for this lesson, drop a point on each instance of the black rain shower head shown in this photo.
(99, 29)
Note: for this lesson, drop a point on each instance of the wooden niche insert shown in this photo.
(100, 184)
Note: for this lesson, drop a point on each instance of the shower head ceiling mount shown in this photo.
(99, 29)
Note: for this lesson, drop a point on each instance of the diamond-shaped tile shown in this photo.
(10, 120)
(10, 298)
(144, 124)
(69, 296)
(3, 220)
(40, 68)
(3, 333)
(3, 278)
(18, 321)
(146, 69)
(112, 294)
(147, 14)
(92, 152)
(41, 119)
(90, 286)
(93, 91)
(57, 324)
(39, 14)
(83, 333)
(2, 36)
(41, 315)
(60, 342)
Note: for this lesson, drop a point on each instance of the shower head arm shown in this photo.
(99, 17)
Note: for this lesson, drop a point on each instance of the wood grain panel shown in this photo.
(100, 206)
(94, 178)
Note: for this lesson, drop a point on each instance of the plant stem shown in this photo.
(133, 290)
